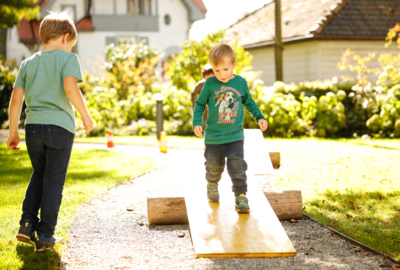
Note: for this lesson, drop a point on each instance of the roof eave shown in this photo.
(284, 40)
(311, 37)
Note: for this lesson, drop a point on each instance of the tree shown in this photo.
(185, 69)
(13, 11)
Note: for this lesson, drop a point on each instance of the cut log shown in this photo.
(165, 210)
(286, 204)
(275, 159)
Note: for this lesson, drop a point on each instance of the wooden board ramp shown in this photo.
(217, 230)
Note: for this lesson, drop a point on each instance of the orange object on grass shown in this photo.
(110, 142)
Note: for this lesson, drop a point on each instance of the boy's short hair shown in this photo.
(220, 52)
(206, 70)
(57, 24)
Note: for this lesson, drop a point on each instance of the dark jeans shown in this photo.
(215, 163)
(49, 149)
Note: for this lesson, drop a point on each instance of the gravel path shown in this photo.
(105, 235)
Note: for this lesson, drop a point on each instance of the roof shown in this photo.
(317, 19)
(85, 24)
(28, 31)
(200, 5)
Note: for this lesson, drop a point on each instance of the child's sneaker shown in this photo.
(212, 192)
(242, 204)
(43, 243)
(26, 233)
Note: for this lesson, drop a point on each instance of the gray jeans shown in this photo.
(215, 155)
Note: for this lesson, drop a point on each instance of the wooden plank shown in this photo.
(164, 209)
(217, 230)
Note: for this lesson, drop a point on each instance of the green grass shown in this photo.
(191, 142)
(350, 185)
(90, 172)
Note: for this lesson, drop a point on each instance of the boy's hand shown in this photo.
(12, 142)
(87, 124)
(263, 124)
(198, 131)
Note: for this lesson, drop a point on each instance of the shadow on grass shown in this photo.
(368, 217)
(33, 260)
(376, 146)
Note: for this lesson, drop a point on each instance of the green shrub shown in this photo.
(7, 78)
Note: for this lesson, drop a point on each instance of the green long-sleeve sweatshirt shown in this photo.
(225, 110)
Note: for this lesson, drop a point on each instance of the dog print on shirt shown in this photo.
(228, 106)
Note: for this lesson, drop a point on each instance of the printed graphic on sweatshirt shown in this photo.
(228, 106)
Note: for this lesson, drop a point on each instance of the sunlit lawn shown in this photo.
(192, 142)
(89, 173)
(352, 185)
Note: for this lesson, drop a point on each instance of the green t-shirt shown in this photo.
(225, 110)
(42, 77)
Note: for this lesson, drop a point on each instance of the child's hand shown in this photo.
(88, 124)
(263, 124)
(12, 142)
(198, 131)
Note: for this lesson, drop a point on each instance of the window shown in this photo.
(167, 19)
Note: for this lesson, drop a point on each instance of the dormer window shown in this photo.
(140, 7)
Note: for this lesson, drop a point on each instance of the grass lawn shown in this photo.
(351, 185)
(90, 172)
(191, 142)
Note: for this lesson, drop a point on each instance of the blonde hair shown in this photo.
(221, 52)
(57, 24)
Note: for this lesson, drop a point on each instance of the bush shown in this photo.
(7, 79)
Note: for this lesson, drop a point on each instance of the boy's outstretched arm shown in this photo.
(16, 102)
(75, 96)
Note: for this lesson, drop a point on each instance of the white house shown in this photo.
(315, 34)
(162, 23)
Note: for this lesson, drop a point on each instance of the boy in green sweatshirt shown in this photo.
(225, 93)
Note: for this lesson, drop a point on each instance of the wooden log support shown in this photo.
(164, 210)
(286, 204)
(275, 159)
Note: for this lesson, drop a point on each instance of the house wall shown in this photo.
(314, 60)
(300, 62)
(16, 51)
(122, 7)
(79, 7)
(91, 44)
(103, 7)
(332, 51)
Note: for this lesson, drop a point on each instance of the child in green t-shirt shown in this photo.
(48, 81)
(224, 94)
